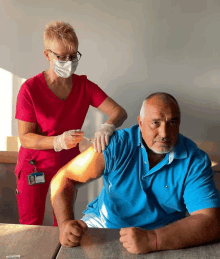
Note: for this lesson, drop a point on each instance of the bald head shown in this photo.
(162, 97)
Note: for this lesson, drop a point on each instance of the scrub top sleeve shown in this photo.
(24, 106)
(200, 191)
(96, 93)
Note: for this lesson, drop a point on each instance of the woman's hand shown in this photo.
(67, 140)
(102, 137)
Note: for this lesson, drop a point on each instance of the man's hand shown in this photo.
(137, 240)
(71, 232)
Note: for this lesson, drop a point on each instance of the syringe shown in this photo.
(89, 139)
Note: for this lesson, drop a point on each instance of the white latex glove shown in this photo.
(67, 140)
(101, 139)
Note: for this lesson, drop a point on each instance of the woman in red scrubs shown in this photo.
(51, 108)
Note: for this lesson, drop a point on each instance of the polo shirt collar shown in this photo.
(179, 151)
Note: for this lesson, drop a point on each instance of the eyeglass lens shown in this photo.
(75, 57)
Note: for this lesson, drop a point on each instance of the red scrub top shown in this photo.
(37, 103)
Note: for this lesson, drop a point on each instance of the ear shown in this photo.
(139, 121)
(46, 54)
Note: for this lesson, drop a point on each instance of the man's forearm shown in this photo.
(190, 231)
(62, 197)
(86, 167)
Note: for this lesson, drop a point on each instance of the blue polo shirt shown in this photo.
(134, 195)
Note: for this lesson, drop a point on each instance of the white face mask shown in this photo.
(64, 68)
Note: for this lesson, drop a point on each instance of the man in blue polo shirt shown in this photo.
(152, 175)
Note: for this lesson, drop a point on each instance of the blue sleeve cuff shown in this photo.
(214, 203)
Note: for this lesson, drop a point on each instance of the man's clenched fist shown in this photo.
(137, 240)
(71, 232)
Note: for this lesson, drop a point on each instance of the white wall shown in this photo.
(130, 49)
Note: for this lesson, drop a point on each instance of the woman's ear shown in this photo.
(46, 54)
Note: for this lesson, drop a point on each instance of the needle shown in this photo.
(89, 139)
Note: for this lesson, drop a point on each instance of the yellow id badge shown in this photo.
(36, 178)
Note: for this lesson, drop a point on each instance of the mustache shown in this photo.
(164, 139)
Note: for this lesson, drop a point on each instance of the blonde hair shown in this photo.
(62, 32)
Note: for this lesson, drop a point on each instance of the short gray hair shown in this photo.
(166, 98)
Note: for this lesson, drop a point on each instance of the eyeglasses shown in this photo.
(75, 57)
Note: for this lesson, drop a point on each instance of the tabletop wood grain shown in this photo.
(30, 242)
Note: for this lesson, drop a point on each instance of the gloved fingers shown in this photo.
(69, 141)
(97, 143)
(76, 138)
(77, 132)
(102, 142)
(68, 133)
(106, 140)
(99, 147)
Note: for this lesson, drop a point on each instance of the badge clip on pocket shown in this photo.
(36, 177)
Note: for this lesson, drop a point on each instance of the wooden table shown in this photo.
(41, 242)
(104, 244)
(30, 242)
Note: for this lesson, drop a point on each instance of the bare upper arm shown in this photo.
(85, 167)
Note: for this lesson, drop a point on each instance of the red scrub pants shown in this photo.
(31, 199)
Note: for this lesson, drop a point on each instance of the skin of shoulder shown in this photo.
(85, 167)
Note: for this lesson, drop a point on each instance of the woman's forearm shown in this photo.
(35, 141)
(118, 116)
